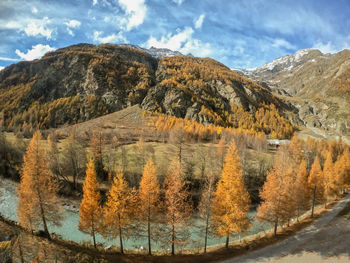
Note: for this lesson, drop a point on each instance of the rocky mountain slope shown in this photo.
(317, 84)
(84, 81)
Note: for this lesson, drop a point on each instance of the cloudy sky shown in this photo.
(238, 33)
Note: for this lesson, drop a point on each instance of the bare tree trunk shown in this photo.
(46, 230)
(94, 238)
(173, 240)
(313, 203)
(20, 251)
(227, 241)
(121, 237)
(206, 234)
(275, 228)
(149, 233)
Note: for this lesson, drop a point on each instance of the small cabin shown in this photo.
(275, 143)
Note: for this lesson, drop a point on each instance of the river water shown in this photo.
(69, 228)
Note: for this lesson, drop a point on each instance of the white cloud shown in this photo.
(1, 68)
(34, 10)
(282, 43)
(39, 27)
(94, 2)
(8, 59)
(113, 38)
(197, 48)
(72, 24)
(331, 47)
(37, 51)
(13, 25)
(135, 11)
(182, 41)
(199, 22)
(325, 48)
(173, 42)
(179, 2)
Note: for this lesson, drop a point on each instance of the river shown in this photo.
(69, 228)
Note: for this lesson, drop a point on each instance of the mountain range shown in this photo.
(316, 84)
(84, 81)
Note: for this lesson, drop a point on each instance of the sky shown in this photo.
(238, 33)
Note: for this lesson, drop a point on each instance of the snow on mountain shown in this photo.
(157, 52)
(287, 62)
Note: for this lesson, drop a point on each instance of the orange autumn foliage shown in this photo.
(178, 207)
(90, 208)
(37, 192)
(149, 198)
(330, 183)
(316, 184)
(278, 205)
(231, 200)
(302, 193)
(119, 209)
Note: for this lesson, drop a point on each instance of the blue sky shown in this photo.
(238, 33)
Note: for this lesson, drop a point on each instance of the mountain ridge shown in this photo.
(84, 81)
(317, 84)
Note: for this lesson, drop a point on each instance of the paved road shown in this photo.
(328, 236)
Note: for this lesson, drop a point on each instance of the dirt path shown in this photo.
(328, 236)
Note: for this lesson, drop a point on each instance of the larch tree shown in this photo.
(178, 207)
(119, 210)
(342, 170)
(316, 184)
(346, 160)
(297, 149)
(124, 158)
(329, 176)
(90, 208)
(205, 205)
(177, 137)
(221, 152)
(97, 143)
(289, 193)
(339, 174)
(301, 190)
(149, 198)
(37, 192)
(73, 158)
(276, 194)
(231, 201)
(54, 159)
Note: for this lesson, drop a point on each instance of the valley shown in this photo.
(95, 121)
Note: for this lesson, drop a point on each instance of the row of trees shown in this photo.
(163, 212)
(291, 188)
(266, 121)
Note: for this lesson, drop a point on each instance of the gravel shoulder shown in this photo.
(326, 238)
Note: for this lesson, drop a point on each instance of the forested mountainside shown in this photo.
(84, 81)
(317, 84)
